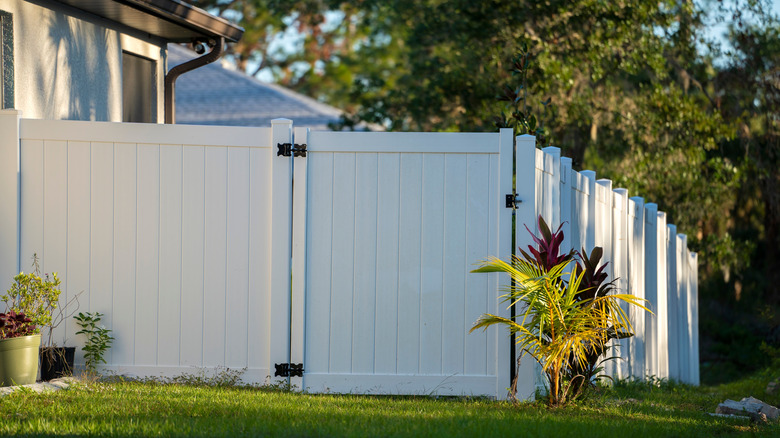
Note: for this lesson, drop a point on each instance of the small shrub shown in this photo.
(99, 339)
(566, 318)
(33, 295)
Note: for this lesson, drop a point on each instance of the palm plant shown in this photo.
(560, 324)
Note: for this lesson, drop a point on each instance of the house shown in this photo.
(217, 94)
(96, 60)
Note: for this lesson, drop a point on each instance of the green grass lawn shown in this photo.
(149, 409)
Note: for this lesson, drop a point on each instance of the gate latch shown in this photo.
(291, 150)
(288, 370)
(512, 201)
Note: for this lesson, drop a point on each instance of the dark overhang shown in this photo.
(172, 20)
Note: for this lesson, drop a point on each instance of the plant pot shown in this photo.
(56, 362)
(19, 360)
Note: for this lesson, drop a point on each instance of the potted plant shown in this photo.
(19, 344)
(38, 298)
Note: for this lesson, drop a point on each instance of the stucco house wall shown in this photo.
(68, 64)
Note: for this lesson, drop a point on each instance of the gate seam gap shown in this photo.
(354, 273)
(376, 258)
(181, 247)
(332, 221)
(203, 265)
(443, 265)
(135, 257)
(248, 250)
(113, 232)
(465, 260)
(398, 270)
(159, 232)
(227, 254)
(420, 284)
(67, 210)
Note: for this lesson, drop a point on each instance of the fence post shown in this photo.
(566, 203)
(620, 272)
(693, 276)
(9, 196)
(604, 200)
(281, 246)
(683, 306)
(682, 295)
(552, 185)
(651, 289)
(636, 262)
(663, 296)
(673, 303)
(589, 227)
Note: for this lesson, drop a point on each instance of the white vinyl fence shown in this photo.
(647, 256)
(204, 249)
(167, 230)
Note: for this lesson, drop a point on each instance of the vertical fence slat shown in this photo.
(637, 285)
(409, 261)
(147, 242)
(320, 199)
(567, 200)
(170, 281)
(673, 303)
(663, 296)
(78, 232)
(237, 253)
(388, 235)
(621, 273)
(683, 345)
(651, 289)
(124, 291)
(192, 250)
(694, 322)
(431, 292)
(365, 264)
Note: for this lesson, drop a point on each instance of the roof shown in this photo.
(218, 95)
(172, 20)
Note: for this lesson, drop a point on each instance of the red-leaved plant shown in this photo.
(13, 325)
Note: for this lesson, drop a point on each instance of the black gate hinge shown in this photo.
(512, 201)
(291, 150)
(288, 370)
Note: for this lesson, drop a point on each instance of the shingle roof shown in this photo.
(217, 95)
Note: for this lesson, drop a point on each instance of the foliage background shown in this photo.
(641, 91)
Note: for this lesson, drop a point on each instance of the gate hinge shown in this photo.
(288, 370)
(291, 150)
(512, 201)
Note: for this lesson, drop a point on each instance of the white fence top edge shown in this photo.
(404, 142)
(144, 133)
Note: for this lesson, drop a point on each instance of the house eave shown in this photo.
(172, 20)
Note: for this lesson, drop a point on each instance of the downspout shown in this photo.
(175, 72)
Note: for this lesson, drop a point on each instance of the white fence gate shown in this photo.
(394, 224)
(206, 249)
